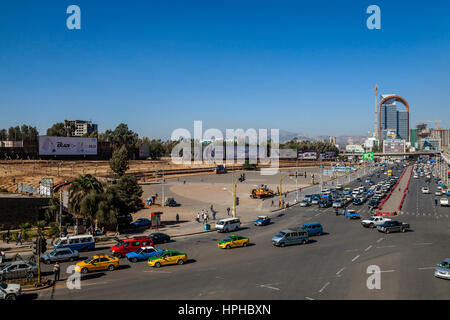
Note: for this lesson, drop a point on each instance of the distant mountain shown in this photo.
(340, 140)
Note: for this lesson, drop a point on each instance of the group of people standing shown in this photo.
(204, 215)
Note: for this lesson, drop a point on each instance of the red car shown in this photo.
(130, 245)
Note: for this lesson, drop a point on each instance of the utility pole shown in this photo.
(281, 190)
(60, 210)
(162, 200)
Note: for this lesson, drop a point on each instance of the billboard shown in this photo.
(307, 155)
(394, 146)
(50, 145)
(368, 156)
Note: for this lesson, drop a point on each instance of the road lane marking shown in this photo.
(422, 244)
(154, 271)
(323, 288)
(337, 273)
(355, 258)
(426, 268)
(93, 284)
(351, 250)
(392, 246)
(379, 240)
(309, 298)
(268, 286)
(368, 248)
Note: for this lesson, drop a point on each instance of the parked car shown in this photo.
(64, 254)
(443, 269)
(167, 257)
(262, 221)
(18, 269)
(10, 291)
(393, 226)
(170, 202)
(351, 214)
(143, 253)
(290, 237)
(373, 222)
(233, 241)
(97, 263)
(159, 238)
(130, 245)
(142, 223)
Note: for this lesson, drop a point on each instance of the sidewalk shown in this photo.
(393, 202)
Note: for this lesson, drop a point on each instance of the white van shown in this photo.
(227, 225)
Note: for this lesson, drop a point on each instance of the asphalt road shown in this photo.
(331, 266)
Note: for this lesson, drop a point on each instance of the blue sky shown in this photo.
(301, 66)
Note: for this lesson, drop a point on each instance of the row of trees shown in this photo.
(19, 133)
(319, 146)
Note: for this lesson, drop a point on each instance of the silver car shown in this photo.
(60, 254)
(10, 291)
(443, 269)
(18, 269)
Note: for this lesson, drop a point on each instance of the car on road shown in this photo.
(79, 243)
(425, 190)
(351, 214)
(170, 202)
(393, 226)
(305, 203)
(289, 237)
(143, 254)
(443, 202)
(158, 237)
(443, 269)
(438, 193)
(64, 254)
(167, 257)
(2, 257)
(313, 228)
(97, 263)
(130, 245)
(373, 222)
(227, 225)
(373, 203)
(325, 203)
(10, 291)
(315, 199)
(18, 269)
(339, 186)
(262, 221)
(338, 203)
(142, 223)
(233, 241)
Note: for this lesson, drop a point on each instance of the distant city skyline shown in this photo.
(299, 66)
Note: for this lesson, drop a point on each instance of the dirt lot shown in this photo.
(30, 172)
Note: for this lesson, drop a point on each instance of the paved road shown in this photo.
(331, 266)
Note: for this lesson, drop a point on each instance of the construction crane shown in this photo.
(435, 122)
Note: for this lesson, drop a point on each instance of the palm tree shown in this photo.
(81, 187)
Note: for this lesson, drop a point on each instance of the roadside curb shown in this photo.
(33, 289)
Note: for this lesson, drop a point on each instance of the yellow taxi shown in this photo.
(233, 242)
(167, 257)
(97, 263)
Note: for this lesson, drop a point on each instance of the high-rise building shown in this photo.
(392, 119)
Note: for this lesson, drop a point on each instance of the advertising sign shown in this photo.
(368, 156)
(50, 145)
(394, 146)
(307, 155)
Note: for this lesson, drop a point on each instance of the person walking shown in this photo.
(272, 203)
(177, 217)
(56, 271)
(198, 216)
(19, 238)
(228, 211)
(8, 236)
(214, 215)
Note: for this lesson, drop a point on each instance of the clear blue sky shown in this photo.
(301, 66)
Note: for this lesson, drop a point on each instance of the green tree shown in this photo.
(60, 130)
(80, 188)
(128, 194)
(121, 136)
(119, 161)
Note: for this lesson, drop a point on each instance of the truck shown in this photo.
(373, 222)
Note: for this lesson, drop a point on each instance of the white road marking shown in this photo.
(422, 244)
(323, 288)
(387, 271)
(426, 268)
(154, 271)
(93, 284)
(379, 240)
(392, 246)
(351, 250)
(355, 258)
(309, 298)
(268, 286)
(337, 273)
(368, 248)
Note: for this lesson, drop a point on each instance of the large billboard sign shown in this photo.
(50, 145)
(368, 156)
(394, 146)
(307, 155)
